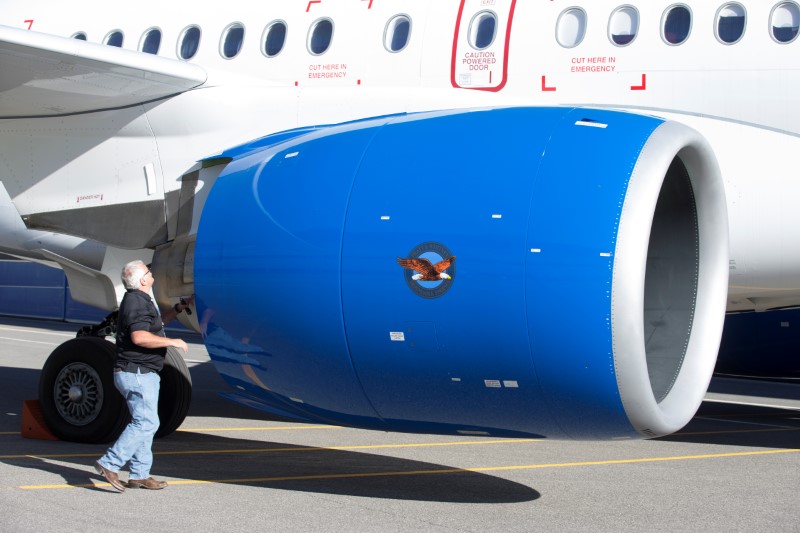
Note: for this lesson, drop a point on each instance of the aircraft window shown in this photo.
(320, 36)
(189, 42)
(676, 25)
(623, 25)
(482, 30)
(81, 36)
(785, 20)
(231, 43)
(730, 23)
(114, 38)
(151, 41)
(274, 38)
(571, 27)
(397, 33)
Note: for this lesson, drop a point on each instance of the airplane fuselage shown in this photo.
(740, 96)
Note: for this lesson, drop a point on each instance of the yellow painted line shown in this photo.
(195, 430)
(441, 471)
(262, 428)
(298, 448)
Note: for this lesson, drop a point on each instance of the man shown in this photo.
(141, 349)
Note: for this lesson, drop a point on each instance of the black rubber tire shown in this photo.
(175, 396)
(101, 414)
(96, 413)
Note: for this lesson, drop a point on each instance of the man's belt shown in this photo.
(133, 368)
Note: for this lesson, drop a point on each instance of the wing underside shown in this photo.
(45, 75)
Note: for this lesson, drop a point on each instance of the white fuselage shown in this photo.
(740, 96)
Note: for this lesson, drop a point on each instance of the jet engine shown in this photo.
(516, 272)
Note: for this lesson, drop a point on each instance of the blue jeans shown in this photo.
(135, 442)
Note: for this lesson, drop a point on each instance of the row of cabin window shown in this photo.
(676, 24)
(623, 26)
(320, 36)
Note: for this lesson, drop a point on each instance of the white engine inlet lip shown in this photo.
(649, 417)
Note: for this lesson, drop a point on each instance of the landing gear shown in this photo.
(80, 403)
(77, 395)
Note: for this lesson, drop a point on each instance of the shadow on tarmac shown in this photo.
(277, 465)
(741, 425)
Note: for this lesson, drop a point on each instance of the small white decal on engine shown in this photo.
(397, 336)
(492, 383)
(511, 384)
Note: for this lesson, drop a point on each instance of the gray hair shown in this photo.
(132, 274)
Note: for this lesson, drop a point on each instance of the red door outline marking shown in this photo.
(643, 86)
(505, 53)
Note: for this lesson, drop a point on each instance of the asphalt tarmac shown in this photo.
(735, 467)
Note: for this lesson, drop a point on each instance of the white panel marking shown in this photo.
(605, 254)
(497, 216)
(511, 384)
(384, 217)
(536, 250)
(492, 383)
(397, 336)
(293, 154)
(591, 124)
(150, 176)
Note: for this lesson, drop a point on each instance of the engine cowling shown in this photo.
(585, 299)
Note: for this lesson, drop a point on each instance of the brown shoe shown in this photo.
(149, 483)
(111, 477)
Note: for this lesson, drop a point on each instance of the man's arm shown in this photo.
(145, 339)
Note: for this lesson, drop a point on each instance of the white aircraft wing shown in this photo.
(45, 75)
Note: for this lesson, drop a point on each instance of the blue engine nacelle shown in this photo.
(586, 289)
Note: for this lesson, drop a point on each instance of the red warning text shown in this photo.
(327, 71)
(479, 60)
(593, 64)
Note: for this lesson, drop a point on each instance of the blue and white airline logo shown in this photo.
(429, 269)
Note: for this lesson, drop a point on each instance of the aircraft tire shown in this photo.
(77, 396)
(176, 393)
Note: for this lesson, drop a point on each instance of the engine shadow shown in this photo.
(785, 389)
(741, 425)
(189, 458)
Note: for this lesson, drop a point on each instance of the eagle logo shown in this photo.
(426, 270)
(429, 269)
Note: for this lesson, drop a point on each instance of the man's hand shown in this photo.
(180, 344)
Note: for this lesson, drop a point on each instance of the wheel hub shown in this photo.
(78, 393)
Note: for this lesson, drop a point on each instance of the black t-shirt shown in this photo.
(137, 312)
